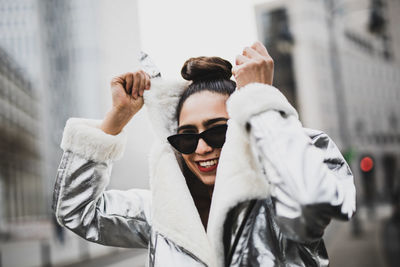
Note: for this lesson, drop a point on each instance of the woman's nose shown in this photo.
(203, 147)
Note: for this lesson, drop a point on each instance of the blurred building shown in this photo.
(21, 188)
(53, 56)
(70, 67)
(339, 64)
(23, 200)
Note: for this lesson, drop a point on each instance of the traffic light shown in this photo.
(368, 179)
(366, 164)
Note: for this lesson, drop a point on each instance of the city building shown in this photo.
(56, 62)
(21, 185)
(339, 64)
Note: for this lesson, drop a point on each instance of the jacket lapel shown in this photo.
(238, 180)
(174, 213)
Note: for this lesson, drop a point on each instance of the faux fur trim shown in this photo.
(174, 213)
(173, 210)
(83, 137)
(255, 98)
(161, 102)
(238, 179)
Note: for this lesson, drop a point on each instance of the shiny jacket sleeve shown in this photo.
(81, 202)
(310, 181)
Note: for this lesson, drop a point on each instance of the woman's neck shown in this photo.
(201, 195)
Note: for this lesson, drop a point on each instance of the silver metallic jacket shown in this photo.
(278, 186)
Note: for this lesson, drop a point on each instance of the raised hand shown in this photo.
(254, 65)
(127, 99)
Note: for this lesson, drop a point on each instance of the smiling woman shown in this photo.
(239, 183)
(203, 107)
(202, 118)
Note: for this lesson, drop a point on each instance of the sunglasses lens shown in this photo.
(215, 136)
(184, 143)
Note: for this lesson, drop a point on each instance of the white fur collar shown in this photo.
(174, 213)
(238, 177)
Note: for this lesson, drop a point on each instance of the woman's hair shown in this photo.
(207, 74)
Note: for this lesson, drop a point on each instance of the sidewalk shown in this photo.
(367, 249)
(125, 258)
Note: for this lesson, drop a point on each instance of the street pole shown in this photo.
(339, 93)
(337, 79)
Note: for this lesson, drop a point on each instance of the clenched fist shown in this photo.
(254, 65)
(127, 99)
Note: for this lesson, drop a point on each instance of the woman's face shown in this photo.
(200, 112)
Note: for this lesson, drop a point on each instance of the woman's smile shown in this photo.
(207, 165)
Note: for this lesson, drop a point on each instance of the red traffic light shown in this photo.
(366, 164)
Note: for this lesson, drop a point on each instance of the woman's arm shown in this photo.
(80, 202)
(311, 183)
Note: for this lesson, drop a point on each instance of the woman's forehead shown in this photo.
(203, 106)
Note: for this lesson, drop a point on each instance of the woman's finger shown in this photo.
(260, 48)
(142, 83)
(148, 83)
(136, 83)
(240, 59)
(128, 83)
(118, 81)
(236, 69)
(251, 53)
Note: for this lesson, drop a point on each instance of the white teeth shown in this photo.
(208, 163)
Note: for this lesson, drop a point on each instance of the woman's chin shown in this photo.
(208, 180)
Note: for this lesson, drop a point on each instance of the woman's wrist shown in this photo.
(114, 121)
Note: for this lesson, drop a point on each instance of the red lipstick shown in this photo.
(207, 169)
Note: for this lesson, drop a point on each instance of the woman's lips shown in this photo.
(205, 169)
(207, 166)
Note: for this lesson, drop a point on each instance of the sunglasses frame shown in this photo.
(197, 136)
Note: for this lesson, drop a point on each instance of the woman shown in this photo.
(263, 200)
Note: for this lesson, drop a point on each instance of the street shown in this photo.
(366, 249)
(131, 258)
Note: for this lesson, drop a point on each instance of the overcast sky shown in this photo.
(175, 30)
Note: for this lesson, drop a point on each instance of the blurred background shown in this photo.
(337, 61)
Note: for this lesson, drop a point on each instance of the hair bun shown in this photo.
(206, 68)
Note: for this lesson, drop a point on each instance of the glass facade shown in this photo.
(20, 154)
(276, 35)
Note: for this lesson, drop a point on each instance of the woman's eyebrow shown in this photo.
(212, 121)
(185, 127)
(205, 124)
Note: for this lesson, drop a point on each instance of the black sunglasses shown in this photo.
(186, 143)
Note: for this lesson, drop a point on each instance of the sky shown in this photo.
(173, 31)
